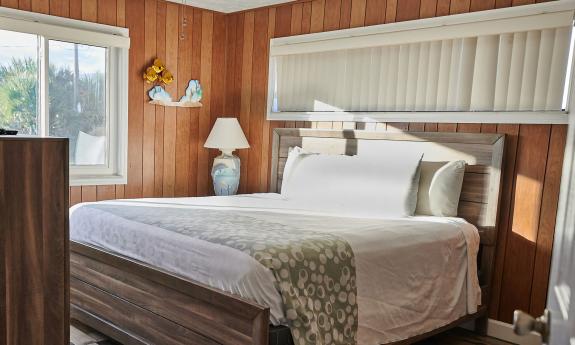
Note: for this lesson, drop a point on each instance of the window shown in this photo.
(19, 81)
(66, 78)
(513, 63)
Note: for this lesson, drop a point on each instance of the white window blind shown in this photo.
(496, 61)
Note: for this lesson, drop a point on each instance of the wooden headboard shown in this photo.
(481, 185)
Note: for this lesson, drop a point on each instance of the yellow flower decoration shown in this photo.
(150, 76)
(166, 77)
(158, 66)
(158, 73)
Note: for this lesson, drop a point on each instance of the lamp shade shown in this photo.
(227, 134)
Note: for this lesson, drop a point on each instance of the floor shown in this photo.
(81, 335)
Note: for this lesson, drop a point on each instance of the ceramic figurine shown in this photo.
(193, 92)
(157, 93)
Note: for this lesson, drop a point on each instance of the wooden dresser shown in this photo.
(34, 265)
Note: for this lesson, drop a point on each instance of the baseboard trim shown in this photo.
(504, 331)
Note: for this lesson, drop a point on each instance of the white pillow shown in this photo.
(90, 150)
(361, 186)
(440, 188)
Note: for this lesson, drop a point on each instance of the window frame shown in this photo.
(364, 36)
(116, 41)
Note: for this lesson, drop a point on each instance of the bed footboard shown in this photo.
(136, 304)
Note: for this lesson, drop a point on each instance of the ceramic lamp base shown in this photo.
(226, 174)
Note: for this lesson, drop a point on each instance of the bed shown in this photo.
(144, 285)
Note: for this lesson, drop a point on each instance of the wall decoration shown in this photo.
(157, 73)
(193, 92)
(158, 94)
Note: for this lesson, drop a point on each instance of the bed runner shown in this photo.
(315, 270)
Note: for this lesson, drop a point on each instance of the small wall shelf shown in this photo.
(177, 104)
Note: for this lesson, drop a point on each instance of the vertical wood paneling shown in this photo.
(442, 7)
(25, 5)
(547, 219)
(195, 113)
(505, 214)
(183, 115)
(90, 10)
(309, 17)
(227, 52)
(106, 192)
(75, 195)
(40, 6)
(267, 125)
(159, 111)
(317, 12)
(447, 127)
(148, 141)
(481, 5)
(391, 11)
(170, 123)
(258, 97)
(357, 13)
(345, 14)
(76, 9)
(246, 93)
(232, 38)
(427, 8)
(306, 18)
(407, 10)
(521, 241)
(62, 8)
(121, 12)
(296, 18)
(459, 6)
(375, 12)
(135, 22)
(106, 12)
(218, 76)
(469, 127)
(203, 182)
(332, 15)
(10, 3)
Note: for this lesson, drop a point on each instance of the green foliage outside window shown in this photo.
(72, 109)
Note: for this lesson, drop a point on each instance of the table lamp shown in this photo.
(227, 135)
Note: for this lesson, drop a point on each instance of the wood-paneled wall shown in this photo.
(228, 54)
(534, 153)
(166, 156)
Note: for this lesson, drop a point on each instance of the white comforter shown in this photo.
(413, 274)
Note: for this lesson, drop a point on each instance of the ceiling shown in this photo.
(228, 6)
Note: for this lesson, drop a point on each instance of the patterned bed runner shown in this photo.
(315, 270)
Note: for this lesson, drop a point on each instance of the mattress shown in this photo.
(414, 274)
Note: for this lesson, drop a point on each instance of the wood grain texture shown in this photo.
(155, 307)
(245, 50)
(546, 229)
(521, 241)
(34, 241)
(159, 144)
(503, 280)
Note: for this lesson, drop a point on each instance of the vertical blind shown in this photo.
(522, 67)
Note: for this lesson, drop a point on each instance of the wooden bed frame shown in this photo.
(135, 303)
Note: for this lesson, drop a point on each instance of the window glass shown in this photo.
(77, 92)
(19, 81)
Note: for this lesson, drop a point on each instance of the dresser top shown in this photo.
(30, 138)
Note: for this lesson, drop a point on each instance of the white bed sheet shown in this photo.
(413, 274)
